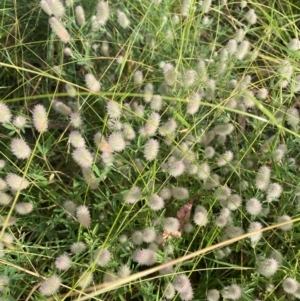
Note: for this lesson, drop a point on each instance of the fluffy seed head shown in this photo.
(50, 286)
(292, 117)
(251, 16)
(234, 202)
(242, 50)
(285, 69)
(169, 74)
(171, 224)
(82, 157)
(3, 185)
(185, 7)
(277, 256)
(221, 220)
(187, 295)
(5, 199)
(19, 122)
(152, 124)
(233, 231)
(168, 128)
(205, 7)
(83, 216)
(231, 46)
(151, 149)
(78, 247)
(222, 193)
(128, 132)
(46, 7)
(148, 92)
(4, 281)
(70, 207)
(105, 48)
(144, 257)
(80, 16)
(113, 109)
(75, 120)
(138, 78)
(40, 119)
(180, 193)
(59, 30)
(181, 283)
(224, 129)
(232, 292)
(149, 235)
(9, 221)
(282, 219)
(116, 142)
(176, 168)
(16, 182)
(169, 291)
(262, 179)
(165, 193)
(102, 14)
(239, 35)
(262, 93)
(156, 202)
(137, 237)
(213, 295)
(156, 103)
(109, 276)
(76, 139)
(200, 219)
(210, 89)
(92, 83)
(123, 20)
(102, 257)
(72, 92)
(101, 143)
(203, 171)
(57, 8)
(85, 279)
(254, 226)
(61, 108)
(133, 195)
(124, 271)
(268, 267)
(193, 103)
(225, 158)
(20, 148)
(90, 178)
(24, 208)
(294, 45)
(254, 206)
(70, 89)
(273, 192)
(290, 285)
(123, 238)
(63, 262)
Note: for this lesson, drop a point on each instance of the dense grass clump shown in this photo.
(149, 150)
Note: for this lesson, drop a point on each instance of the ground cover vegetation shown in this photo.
(149, 150)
